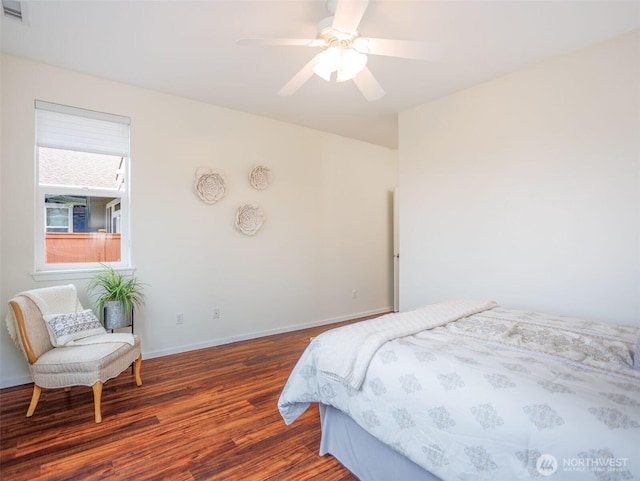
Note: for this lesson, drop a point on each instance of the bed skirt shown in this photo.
(365, 456)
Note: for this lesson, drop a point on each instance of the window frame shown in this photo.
(71, 270)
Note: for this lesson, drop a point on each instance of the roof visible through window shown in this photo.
(80, 169)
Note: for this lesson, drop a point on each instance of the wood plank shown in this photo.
(209, 414)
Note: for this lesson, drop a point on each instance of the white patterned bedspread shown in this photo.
(500, 395)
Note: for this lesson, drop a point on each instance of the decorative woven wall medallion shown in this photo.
(210, 185)
(249, 219)
(260, 177)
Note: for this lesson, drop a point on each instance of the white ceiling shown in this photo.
(189, 49)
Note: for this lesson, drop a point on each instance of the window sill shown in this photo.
(71, 274)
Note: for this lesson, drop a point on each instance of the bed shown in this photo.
(473, 390)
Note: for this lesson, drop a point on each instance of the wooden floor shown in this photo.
(209, 414)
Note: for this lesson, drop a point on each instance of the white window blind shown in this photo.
(70, 128)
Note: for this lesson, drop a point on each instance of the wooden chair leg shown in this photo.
(138, 365)
(97, 399)
(35, 397)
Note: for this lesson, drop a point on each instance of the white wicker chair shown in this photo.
(62, 367)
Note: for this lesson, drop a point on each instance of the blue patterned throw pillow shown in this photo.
(65, 328)
(636, 356)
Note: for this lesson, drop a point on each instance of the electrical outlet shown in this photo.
(354, 294)
(179, 318)
(215, 313)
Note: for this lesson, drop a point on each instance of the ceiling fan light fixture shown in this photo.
(341, 36)
(352, 64)
(361, 45)
(328, 62)
(321, 71)
(347, 62)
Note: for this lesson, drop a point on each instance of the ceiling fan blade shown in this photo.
(368, 85)
(296, 42)
(402, 49)
(348, 15)
(299, 79)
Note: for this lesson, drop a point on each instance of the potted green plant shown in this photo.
(118, 295)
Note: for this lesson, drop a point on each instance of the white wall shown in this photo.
(327, 229)
(526, 189)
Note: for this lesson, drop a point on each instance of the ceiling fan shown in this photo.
(344, 50)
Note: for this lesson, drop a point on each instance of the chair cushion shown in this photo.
(68, 327)
(83, 365)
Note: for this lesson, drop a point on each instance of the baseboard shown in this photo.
(258, 334)
(16, 381)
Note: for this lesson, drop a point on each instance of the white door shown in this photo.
(396, 253)
(114, 216)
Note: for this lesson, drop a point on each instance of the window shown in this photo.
(59, 218)
(82, 160)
